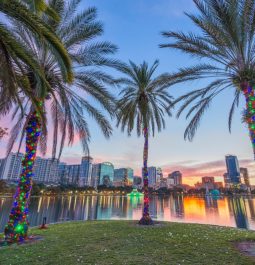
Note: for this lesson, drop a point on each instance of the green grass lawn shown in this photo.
(121, 242)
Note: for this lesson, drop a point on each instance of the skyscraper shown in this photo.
(102, 174)
(159, 175)
(86, 172)
(73, 173)
(123, 176)
(11, 167)
(62, 173)
(245, 176)
(152, 176)
(233, 169)
(177, 177)
(226, 180)
(46, 170)
(95, 175)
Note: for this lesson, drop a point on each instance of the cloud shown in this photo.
(212, 168)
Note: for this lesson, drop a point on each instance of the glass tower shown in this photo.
(86, 172)
(106, 174)
(233, 169)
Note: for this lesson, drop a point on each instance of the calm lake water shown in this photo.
(234, 212)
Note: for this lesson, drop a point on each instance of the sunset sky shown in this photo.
(135, 26)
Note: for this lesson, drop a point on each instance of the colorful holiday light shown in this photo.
(249, 93)
(17, 227)
(146, 219)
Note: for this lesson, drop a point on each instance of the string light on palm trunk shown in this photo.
(249, 93)
(146, 219)
(17, 226)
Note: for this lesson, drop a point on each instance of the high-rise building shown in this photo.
(177, 177)
(245, 176)
(106, 174)
(119, 174)
(46, 170)
(152, 176)
(130, 176)
(227, 180)
(62, 173)
(73, 173)
(123, 176)
(208, 183)
(86, 172)
(11, 167)
(159, 175)
(169, 182)
(95, 175)
(233, 169)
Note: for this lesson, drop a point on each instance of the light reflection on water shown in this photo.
(234, 212)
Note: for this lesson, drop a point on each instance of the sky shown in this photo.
(135, 26)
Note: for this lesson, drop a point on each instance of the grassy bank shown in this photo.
(118, 242)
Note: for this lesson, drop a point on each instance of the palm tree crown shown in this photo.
(144, 100)
(14, 54)
(67, 105)
(227, 43)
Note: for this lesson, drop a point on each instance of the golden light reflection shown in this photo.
(39, 204)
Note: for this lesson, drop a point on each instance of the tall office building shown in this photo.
(123, 176)
(73, 174)
(11, 167)
(95, 175)
(245, 176)
(86, 172)
(106, 174)
(233, 169)
(208, 183)
(227, 181)
(46, 170)
(62, 173)
(152, 176)
(177, 177)
(159, 175)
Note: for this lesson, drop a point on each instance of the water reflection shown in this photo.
(235, 212)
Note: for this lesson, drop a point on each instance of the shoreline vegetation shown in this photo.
(8, 190)
(39, 189)
(124, 242)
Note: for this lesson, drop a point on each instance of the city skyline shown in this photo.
(57, 171)
(205, 155)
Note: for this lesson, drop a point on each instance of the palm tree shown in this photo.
(143, 104)
(13, 55)
(226, 43)
(67, 106)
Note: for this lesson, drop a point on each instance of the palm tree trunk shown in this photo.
(16, 229)
(249, 94)
(146, 219)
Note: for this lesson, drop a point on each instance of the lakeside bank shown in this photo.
(124, 242)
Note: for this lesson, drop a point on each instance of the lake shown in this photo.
(233, 212)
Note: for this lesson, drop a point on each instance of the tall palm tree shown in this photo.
(227, 44)
(68, 107)
(13, 54)
(143, 103)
